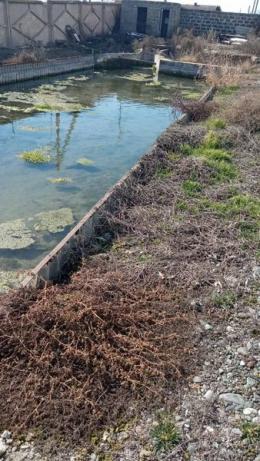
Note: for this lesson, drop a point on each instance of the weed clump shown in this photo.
(212, 140)
(38, 156)
(165, 434)
(225, 300)
(251, 432)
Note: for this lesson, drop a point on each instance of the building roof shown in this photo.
(196, 6)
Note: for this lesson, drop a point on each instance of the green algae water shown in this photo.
(63, 142)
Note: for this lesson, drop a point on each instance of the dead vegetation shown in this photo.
(73, 356)
(245, 112)
(196, 110)
(27, 56)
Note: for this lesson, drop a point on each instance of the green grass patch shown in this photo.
(249, 230)
(191, 188)
(36, 157)
(219, 160)
(225, 300)
(216, 124)
(212, 140)
(181, 205)
(223, 171)
(240, 205)
(228, 90)
(186, 149)
(162, 173)
(165, 434)
(251, 432)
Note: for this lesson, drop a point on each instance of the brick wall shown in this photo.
(221, 22)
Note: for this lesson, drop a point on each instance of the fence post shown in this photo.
(8, 29)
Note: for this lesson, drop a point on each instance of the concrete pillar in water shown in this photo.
(157, 61)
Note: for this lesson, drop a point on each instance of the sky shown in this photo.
(226, 5)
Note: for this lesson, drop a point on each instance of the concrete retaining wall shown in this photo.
(19, 72)
(75, 244)
(182, 69)
(23, 22)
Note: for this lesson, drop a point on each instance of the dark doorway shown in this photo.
(141, 20)
(165, 23)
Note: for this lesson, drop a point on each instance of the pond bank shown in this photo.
(167, 310)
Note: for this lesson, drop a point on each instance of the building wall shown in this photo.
(200, 21)
(221, 22)
(154, 16)
(23, 22)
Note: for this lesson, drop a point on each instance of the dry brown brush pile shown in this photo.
(72, 356)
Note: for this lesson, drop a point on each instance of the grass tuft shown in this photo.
(224, 300)
(216, 124)
(191, 188)
(162, 173)
(251, 432)
(212, 140)
(165, 434)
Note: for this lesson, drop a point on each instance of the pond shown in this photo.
(66, 140)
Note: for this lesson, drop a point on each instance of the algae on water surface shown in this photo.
(53, 221)
(15, 235)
